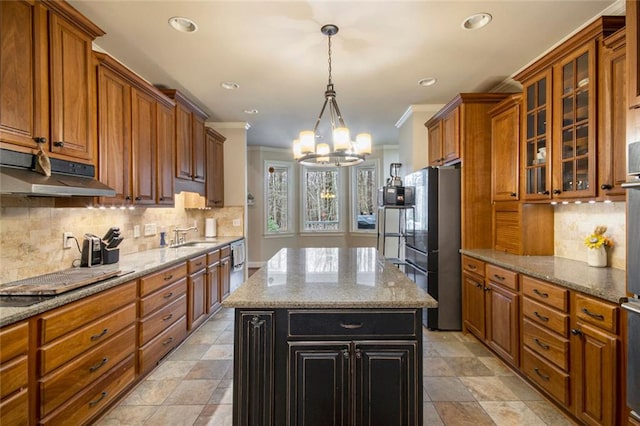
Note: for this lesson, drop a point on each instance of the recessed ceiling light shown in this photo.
(182, 24)
(251, 111)
(429, 81)
(477, 21)
(229, 85)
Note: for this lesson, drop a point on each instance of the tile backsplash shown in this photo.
(574, 222)
(31, 231)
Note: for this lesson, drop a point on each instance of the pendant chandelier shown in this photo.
(346, 152)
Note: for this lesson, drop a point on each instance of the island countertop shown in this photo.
(329, 278)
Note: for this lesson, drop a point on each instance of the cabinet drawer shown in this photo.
(196, 264)
(601, 314)
(503, 277)
(548, 377)
(213, 257)
(61, 321)
(157, 280)
(546, 293)
(545, 316)
(162, 297)
(15, 410)
(14, 341)
(161, 319)
(225, 252)
(546, 344)
(62, 350)
(89, 403)
(13, 376)
(75, 376)
(370, 324)
(152, 352)
(473, 265)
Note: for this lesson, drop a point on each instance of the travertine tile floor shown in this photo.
(464, 383)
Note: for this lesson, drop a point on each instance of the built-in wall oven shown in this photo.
(632, 305)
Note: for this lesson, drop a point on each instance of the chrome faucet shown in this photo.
(180, 235)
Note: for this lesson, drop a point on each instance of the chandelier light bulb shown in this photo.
(363, 143)
(297, 149)
(323, 149)
(341, 139)
(307, 142)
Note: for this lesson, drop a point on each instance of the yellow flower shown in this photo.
(595, 241)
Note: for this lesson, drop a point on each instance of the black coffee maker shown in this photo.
(91, 251)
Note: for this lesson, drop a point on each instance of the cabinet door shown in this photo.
(594, 365)
(198, 148)
(505, 154)
(143, 142)
(73, 123)
(114, 115)
(23, 67)
(575, 125)
(386, 386)
(225, 277)
(536, 138)
(435, 144)
(451, 136)
(502, 323)
(473, 304)
(166, 157)
(213, 287)
(183, 142)
(196, 299)
(215, 171)
(612, 122)
(319, 385)
(633, 44)
(253, 368)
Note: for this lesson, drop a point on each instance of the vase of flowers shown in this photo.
(597, 244)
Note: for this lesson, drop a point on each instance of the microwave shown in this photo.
(396, 196)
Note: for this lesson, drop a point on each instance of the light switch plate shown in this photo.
(236, 222)
(136, 231)
(150, 229)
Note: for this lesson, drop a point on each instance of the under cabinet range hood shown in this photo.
(68, 178)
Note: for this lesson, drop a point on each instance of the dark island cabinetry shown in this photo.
(328, 367)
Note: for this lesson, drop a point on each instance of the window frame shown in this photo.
(303, 197)
(290, 198)
(353, 189)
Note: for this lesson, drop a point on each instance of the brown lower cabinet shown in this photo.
(87, 353)
(568, 344)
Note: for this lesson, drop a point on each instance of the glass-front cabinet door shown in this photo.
(574, 125)
(536, 170)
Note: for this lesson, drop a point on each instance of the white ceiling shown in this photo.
(277, 54)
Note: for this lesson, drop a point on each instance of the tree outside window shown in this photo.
(364, 185)
(321, 200)
(278, 198)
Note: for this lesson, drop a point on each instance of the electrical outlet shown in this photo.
(136, 231)
(66, 240)
(236, 222)
(150, 229)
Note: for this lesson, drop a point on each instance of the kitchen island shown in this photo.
(328, 336)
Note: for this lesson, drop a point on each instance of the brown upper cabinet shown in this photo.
(444, 139)
(633, 44)
(190, 134)
(215, 168)
(560, 122)
(51, 100)
(136, 137)
(505, 149)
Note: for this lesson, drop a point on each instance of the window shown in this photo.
(364, 187)
(320, 200)
(278, 197)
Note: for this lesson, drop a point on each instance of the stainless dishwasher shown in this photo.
(238, 255)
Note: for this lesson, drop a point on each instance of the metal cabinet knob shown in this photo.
(59, 144)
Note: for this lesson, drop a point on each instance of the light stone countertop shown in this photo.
(605, 283)
(141, 263)
(329, 278)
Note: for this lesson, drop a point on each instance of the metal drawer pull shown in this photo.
(539, 343)
(166, 342)
(540, 317)
(592, 315)
(472, 267)
(199, 264)
(498, 277)
(352, 326)
(168, 295)
(345, 353)
(168, 317)
(98, 365)
(541, 294)
(97, 336)
(478, 285)
(102, 396)
(543, 376)
(168, 277)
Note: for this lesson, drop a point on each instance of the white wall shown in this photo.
(412, 141)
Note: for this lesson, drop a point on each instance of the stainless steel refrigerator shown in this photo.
(432, 247)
